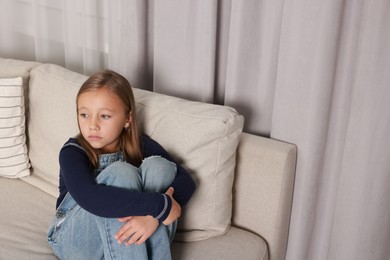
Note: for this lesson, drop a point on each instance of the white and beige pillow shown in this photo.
(14, 161)
(204, 138)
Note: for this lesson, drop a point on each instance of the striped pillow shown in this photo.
(14, 161)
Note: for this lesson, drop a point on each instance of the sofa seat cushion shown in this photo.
(25, 215)
(25, 218)
(235, 244)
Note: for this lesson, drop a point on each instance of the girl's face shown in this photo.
(101, 118)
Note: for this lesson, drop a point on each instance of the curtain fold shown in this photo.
(362, 211)
(184, 48)
(133, 47)
(313, 73)
(73, 35)
(252, 62)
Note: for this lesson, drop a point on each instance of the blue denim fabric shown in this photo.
(77, 234)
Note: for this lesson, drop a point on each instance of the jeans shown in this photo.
(78, 234)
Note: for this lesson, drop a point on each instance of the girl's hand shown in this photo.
(136, 229)
(175, 209)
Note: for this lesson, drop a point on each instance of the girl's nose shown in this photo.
(93, 125)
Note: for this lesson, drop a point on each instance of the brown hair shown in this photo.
(130, 140)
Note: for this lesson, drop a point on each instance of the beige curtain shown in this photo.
(333, 100)
(311, 72)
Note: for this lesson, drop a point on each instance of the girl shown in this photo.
(120, 191)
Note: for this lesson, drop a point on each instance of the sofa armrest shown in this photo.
(263, 190)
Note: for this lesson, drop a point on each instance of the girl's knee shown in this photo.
(157, 173)
(159, 166)
(120, 174)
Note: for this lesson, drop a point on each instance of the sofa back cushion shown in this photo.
(52, 120)
(202, 137)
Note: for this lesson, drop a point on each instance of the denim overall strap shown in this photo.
(107, 159)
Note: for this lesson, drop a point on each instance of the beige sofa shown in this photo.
(240, 210)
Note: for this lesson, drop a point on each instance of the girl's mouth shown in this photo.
(94, 137)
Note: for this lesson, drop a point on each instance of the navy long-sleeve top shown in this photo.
(76, 177)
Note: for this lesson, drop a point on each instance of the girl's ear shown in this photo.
(128, 121)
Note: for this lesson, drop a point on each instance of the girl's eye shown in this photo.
(105, 116)
(83, 115)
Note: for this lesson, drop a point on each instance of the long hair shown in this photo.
(130, 139)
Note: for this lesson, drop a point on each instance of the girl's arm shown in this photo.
(102, 200)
